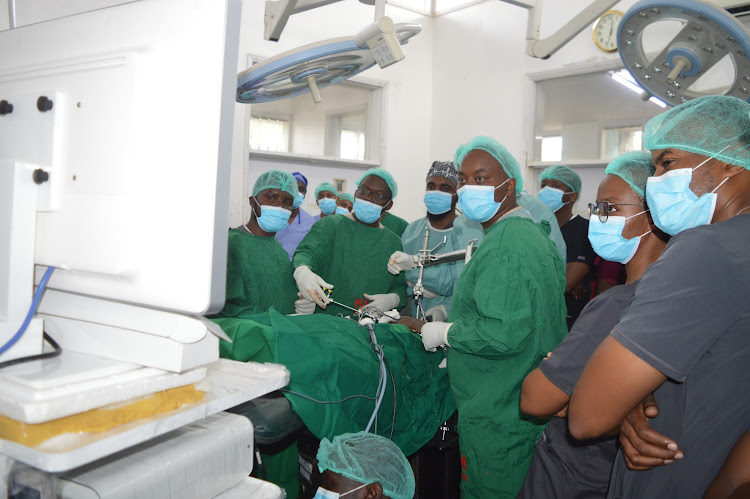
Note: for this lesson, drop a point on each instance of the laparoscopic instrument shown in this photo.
(428, 258)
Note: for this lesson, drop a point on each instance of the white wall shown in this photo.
(407, 98)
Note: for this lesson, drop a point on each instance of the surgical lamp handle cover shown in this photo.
(383, 25)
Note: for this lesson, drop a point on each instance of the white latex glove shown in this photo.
(303, 306)
(435, 334)
(383, 302)
(437, 314)
(311, 286)
(401, 261)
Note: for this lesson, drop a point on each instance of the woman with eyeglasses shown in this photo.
(621, 230)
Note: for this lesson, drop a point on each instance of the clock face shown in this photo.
(605, 30)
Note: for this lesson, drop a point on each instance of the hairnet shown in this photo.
(367, 458)
(564, 174)
(346, 197)
(498, 151)
(300, 177)
(717, 126)
(326, 187)
(379, 172)
(276, 179)
(634, 168)
(443, 169)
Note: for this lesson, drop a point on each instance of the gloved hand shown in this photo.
(311, 285)
(384, 302)
(303, 306)
(435, 334)
(437, 314)
(401, 261)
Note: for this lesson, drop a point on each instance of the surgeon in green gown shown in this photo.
(258, 278)
(348, 254)
(443, 222)
(508, 312)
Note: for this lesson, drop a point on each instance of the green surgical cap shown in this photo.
(326, 187)
(346, 197)
(276, 179)
(498, 151)
(367, 458)
(717, 126)
(564, 174)
(634, 168)
(379, 172)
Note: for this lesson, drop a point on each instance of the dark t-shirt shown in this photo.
(564, 467)
(576, 235)
(690, 319)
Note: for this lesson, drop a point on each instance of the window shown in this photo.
(346, 135)
(616, 141)
(552, 148)
(269, 134)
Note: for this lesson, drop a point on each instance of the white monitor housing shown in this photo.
(137, 150)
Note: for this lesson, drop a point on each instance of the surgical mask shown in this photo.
(674, 207)
(340, 210)
(273, 218)
(438, 202)
(322, 493)
(366, 211)
(477, 202)
(327, 206)
(298, 200)
(607, 240)
(552, 197)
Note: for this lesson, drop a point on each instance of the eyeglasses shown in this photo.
(363, 193)
(603, 209)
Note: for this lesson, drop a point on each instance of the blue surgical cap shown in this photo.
(498, 151)
(379, 172)
(300, 177)
(276, 179)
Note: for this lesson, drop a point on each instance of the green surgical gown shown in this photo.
(353, 257)
(508, 312)
(439, 279)
(395, 224)
(259, 276)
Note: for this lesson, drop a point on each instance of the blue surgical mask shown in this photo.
(298, 200)
(607, 241)
(438, 202)
(327, 206)
(477, 202)
(322, 493)
(674, 207)
(273, 218)
(340, 210)
(366, 211)
(552, 197)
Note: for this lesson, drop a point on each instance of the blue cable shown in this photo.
(32, 310)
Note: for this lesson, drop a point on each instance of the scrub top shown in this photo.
(508, 312)
(353, 257)
(291, 235)
(395, 224)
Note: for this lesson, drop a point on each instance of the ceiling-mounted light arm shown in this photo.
(278, 12)
(543, 49)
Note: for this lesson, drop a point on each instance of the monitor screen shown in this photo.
(136, 144)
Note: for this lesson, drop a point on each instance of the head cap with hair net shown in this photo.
(326, 187)
(443, 169)
(276, 179)
(300, 177)
(346, 197)
(379, 172)
(564, 174)
(367, 458)
(498, 151)
(634, 168)
(717, 126)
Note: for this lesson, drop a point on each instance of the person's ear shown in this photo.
(388, 205)
(573, 197)
(373, 491)
(733, 170)
(511, 187)
(253, 202)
